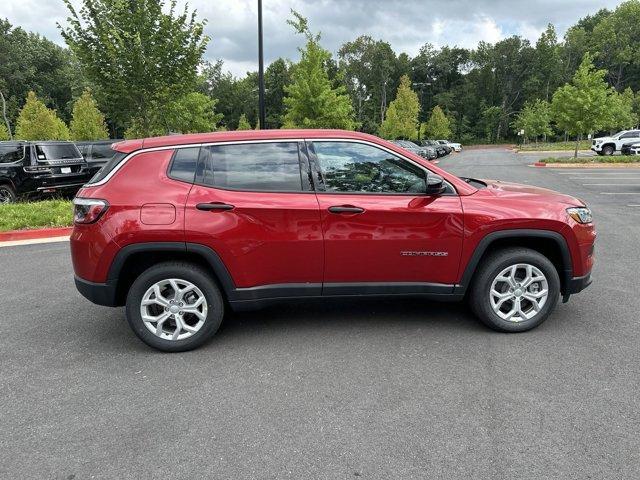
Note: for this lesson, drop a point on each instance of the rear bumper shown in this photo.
(577, 284)
(98, 293)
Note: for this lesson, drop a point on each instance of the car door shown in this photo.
(253, 204)
(382, 233)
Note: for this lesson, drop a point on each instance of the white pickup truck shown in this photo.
(610, 145)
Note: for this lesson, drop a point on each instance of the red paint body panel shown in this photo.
(278, 238)
(268, 238)
(369, 247)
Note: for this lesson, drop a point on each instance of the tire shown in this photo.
(608, 150)
(194, 283)
(482, 299)
(7, 194)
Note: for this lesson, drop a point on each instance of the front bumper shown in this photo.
(98, 293)
(577, 284)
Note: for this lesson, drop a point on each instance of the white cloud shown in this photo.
(406, 24)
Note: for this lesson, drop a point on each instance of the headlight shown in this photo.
(580, 214)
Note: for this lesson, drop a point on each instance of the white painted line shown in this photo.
(619, 193)
(633, 205)
(33, 241)
(612, 184)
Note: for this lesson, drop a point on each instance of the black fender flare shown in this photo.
(565, 273)
(212, 258)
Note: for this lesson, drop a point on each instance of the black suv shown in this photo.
(442, 151)
(35, 168)
(96, 153)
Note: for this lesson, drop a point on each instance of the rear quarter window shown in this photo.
(108, 167)
(184, 163)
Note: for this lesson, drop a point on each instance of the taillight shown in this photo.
(88, 210)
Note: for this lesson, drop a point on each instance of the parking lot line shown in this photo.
(582, 173)
(604, 178)
(634, 205)
(612, 184)
(619, 193)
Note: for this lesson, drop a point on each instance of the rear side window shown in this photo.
(11, 153)
(184, 163)
(252, 166)
(108, 167)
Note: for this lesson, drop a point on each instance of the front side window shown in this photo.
(360, 168)
(252, 166)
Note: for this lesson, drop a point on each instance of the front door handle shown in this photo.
(214, 206)
(346, 209)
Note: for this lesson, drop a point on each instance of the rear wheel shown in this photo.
(7, 194)
(174, 306)
(515, 290)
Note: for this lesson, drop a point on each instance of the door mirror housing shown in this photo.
(435, 184)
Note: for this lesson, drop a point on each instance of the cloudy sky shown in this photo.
(406, 24)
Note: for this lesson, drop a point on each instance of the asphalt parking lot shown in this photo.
(370, 389)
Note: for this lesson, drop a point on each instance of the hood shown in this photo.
(518, 191)
(602, 139)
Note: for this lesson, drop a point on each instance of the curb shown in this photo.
(595, 166)
(39, 233)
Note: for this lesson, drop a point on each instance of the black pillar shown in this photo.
(261, 109)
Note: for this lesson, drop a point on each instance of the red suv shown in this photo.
(181, 228)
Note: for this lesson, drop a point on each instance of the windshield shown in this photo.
(61, 151)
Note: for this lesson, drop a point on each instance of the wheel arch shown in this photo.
(549, 243)
(133, 259)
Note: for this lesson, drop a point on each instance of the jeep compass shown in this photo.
(179, 229)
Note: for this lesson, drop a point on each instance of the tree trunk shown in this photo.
(575, 153)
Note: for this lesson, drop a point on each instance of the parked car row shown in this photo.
(626, 142)
(430, 149)
(32, 169)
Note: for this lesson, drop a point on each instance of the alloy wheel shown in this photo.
(173, 309)
(519, 292)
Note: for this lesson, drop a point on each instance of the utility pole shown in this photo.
(262, 116)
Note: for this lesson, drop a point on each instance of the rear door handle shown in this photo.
(208, 207)
(346, 209)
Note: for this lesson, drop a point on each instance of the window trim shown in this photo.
(130, 155)
(303, 161)
(318, 171)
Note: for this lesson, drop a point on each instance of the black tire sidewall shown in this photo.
(191, 273)
(608, 150)
(481, 304)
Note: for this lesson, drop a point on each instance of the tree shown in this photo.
(582, 106)
(534, 119)
(37, 122)
(438, 125)
(276, 77)
(4, 133)
(621, 111)
(191, 113)
(311, 101)
(243, 123)
(87, 122)
(402, 114)
(140, 54)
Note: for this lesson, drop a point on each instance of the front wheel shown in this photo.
(608, 150)
(174, 306)
(515, 290)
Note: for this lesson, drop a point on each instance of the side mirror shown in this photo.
(435, 184)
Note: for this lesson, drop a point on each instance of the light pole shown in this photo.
(420, 85)
(262, 117)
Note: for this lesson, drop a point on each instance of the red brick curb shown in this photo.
(33, 234)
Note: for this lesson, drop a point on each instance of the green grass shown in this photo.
(25, 215)
(553, 146)
(596, 159)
